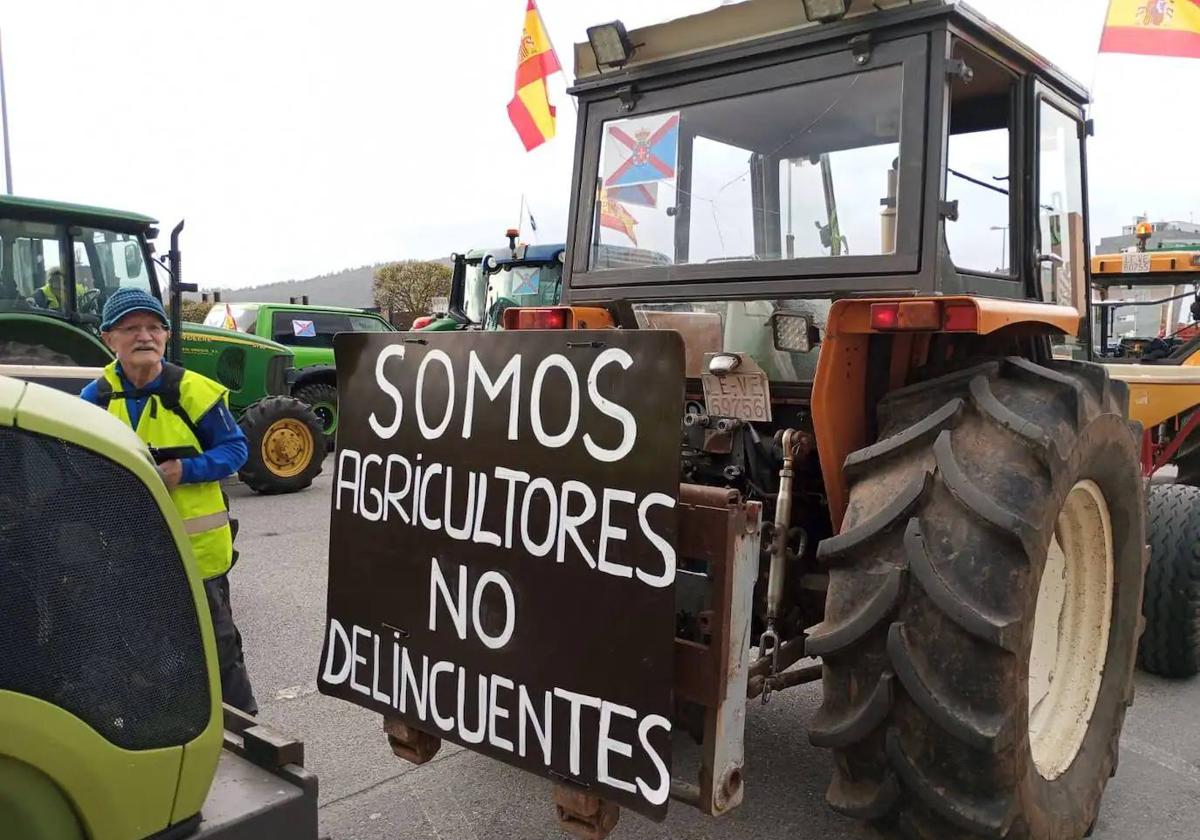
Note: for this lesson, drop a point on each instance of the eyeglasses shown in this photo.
(135, 329)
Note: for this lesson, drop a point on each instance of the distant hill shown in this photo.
(349, 287)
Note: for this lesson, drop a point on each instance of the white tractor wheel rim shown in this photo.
(1070, 630)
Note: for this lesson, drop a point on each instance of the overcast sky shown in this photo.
(303, 137)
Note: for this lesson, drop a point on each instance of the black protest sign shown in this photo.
(502, 561)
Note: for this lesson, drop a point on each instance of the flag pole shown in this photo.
(546, 29)
(520, 216)
(1096, 63)
(8, 184)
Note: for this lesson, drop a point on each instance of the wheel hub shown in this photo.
(1070, 631)
(287, 447)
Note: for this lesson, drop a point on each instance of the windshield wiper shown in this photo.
(977, 182)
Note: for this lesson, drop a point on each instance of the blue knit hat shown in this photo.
(126, 300)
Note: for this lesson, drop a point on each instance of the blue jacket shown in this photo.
(224, 443)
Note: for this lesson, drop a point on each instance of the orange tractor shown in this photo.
(839, 401)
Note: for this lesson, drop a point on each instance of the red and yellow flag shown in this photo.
(616, 216)
(1153, 27)
(530, 110)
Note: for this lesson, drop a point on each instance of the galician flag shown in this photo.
(530, 110)
(1153, 27)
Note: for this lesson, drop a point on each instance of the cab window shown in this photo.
(979, 166)
(369, 323)
(792, 173)
(298, 328)
(1060, 206)
(231, 316)
(32, 272)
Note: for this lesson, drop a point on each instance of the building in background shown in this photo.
(1167, 236)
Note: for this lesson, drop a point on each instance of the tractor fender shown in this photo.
(314, 373)
(840, 399)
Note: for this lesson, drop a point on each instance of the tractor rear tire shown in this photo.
(286, 444)
(980, 481)
(1170, 646)
(1188, 469)
(323, 400)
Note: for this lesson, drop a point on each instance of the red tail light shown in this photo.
(422, 322)
(924, 316)
(555, 318)
(885, 316)
(906, 315)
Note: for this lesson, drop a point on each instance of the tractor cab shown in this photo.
(58, 265)
(1145, 306)
(486, 282)
(773, 161)
(525, 275)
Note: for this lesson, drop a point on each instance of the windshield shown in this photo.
(487, 296)
(738, 327)
(33, 271)
(369, 323)
(232, 316)
(1165, 312)
(797, 172)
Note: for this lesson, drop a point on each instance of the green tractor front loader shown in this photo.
(60, 262)
(111, 723)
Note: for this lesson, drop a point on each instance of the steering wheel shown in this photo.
(496, 310)
(87, 301)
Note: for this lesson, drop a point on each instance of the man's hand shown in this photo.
(171, 472)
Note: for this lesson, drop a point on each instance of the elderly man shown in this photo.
(185, 419)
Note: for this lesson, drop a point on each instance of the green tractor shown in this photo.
(60, 262)
(111, 722)
(307, 330)
(486, 282)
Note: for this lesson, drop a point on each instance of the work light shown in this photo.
(610, 43)
(825, 10)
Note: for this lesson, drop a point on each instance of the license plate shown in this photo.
(744, 396)
(1138, 263)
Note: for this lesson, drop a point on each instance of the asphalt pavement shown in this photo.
(367, 794)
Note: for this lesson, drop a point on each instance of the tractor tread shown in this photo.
(985, 732)
(984, 818)
(828, 640)
(1001, 631)
(1170, 646)
(860, 723)
(848, 542)
(863, 801)
(929, 608)
(944, 418)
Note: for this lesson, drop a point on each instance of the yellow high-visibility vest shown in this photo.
(189, 395)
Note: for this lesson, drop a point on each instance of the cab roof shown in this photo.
(753, 26)
(526, 254)
(300, 307)
(45, 210)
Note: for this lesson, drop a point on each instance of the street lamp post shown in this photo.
(4, 123)
(1003, 245)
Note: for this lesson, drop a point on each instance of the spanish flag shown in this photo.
(530, 110)
(615, 216)
(1153, 27)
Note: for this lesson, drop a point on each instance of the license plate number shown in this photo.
(744, 396)
(1138, 263)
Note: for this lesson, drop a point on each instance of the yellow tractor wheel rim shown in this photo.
(287, 447)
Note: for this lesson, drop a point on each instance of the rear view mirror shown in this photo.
(794, 332)
(133, 260)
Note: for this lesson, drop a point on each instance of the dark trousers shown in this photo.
(235, 682)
